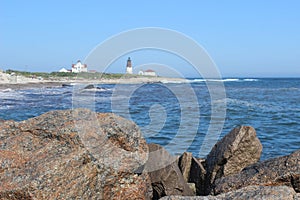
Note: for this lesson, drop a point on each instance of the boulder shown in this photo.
(262, 192)
(93, 88)
(230, 155)
(2, 121)
(250, 192)
(189, 198)
(165, 174)
(192, 170)
(274, 172)
(89, 87)
(73, 154)
(184, 163)
(197, 174)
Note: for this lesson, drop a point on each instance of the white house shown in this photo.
(148, 72)
(63, 70)
(79, 67)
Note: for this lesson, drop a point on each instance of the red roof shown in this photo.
(149, 70)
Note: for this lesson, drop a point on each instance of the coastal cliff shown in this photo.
(79, 154)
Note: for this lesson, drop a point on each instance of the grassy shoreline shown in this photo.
(23, 80)
(70, 75)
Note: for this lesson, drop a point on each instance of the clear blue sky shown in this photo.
(244, 38)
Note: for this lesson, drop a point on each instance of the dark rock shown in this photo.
(93, 88)
(274, 172)
(190, 198)
(192, 170)
(234, 152)
(75, 154)
(67, 85)
(165, 175)
(262, 192)
(184, 163)
(250, 192)
(295, 180)
(89, 87)
(197, 175)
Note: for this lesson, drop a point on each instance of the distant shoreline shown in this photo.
(35, 83)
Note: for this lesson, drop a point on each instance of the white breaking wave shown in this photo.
(168, 81)
(197, 80)
(223, 80)
(7, 90)
(6, 107)
(250, 79)
(214, 80)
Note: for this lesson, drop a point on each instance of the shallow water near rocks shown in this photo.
(271, 106)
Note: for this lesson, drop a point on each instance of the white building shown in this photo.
(79, 67)
(148, 72)
(63, 70)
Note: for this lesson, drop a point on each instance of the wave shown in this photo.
(250, 79)
(252, 105)
(169, 81)
(223, 80)
(11, 95)
(6, 107)
(263, 107)
(196, 80)
(211, 80)
(7, 90)
(230, 80)
(96, 90)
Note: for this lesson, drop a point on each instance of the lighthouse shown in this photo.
(128, 66)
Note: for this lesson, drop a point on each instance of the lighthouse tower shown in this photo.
(128, 66)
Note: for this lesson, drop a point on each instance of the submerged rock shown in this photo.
(89, 87)
(72, 154)
(93, 88)
(230, 155)
(283, 171)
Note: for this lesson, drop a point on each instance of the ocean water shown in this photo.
(179, 115)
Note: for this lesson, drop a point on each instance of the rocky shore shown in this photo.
(20, 82)
(79, 154)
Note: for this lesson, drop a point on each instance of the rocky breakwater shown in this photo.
(73, 154)
(232, 171)
(79, 154)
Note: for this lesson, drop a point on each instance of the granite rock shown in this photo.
(282, 171)
(197, 174)
(230, 155)
(193, 170)
(184, 163)
(72, 154)
(250, 192)
(165, 174)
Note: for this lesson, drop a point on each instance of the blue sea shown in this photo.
(179, 115)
